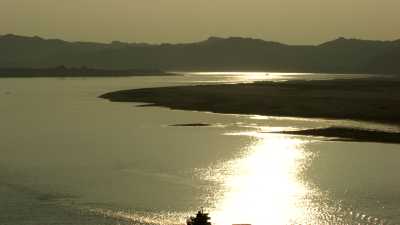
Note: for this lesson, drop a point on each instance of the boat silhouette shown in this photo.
(201, 218)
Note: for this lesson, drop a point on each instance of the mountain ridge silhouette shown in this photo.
(341, 55)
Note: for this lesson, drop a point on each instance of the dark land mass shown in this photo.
(214, 54)
(191, 125)
(370, 99)
(350, 134)
(62, 71)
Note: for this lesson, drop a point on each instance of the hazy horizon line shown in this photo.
(193, 42)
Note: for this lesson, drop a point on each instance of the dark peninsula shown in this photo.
(360, 99)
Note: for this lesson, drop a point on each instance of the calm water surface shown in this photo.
(68, 157)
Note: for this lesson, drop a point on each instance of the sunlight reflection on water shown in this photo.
(235, 77)
(263, 185)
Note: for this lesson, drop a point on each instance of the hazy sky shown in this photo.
(289, 21)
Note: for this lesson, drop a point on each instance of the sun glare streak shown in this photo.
(235, 77)
(263, 185)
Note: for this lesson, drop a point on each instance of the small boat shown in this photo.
(200, 219)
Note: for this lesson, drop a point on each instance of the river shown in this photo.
(68, 157)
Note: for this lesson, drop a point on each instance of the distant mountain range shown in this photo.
(217, 54)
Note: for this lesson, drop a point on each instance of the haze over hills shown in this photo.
(338, 56)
